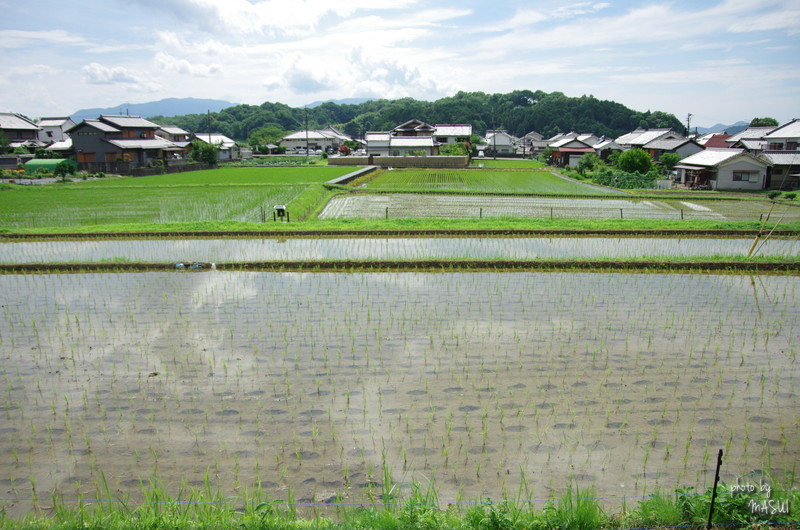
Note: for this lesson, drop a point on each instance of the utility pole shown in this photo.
(305, 110)
(688, 123)
(209, 127)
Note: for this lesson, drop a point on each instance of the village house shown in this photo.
(54, 129)
(498, 143)
(111, 139)
(682, 147)
(413, 137)
(227, 148)
(724, 169)
(19, 131)
(641, 137)
(328, 140)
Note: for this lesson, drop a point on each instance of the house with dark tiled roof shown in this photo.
(413, 137)
(54, 129)
(19, 131)
(111, 139)
(680, 146)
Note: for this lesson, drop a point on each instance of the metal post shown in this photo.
(551, 213)
(480, 216)
(387, 212)
(620, 214)
(714, 491)
(681, 214)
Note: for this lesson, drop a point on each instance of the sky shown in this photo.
(720, 60)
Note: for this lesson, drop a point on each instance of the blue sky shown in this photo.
(721, 60)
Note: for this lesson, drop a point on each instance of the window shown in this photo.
(745, 176)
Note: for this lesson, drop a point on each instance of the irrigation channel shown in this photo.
(322, 387)
(384, 248)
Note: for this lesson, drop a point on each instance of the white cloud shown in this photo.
(266, 17)
(174, 65)
(97, 74)
(13, 38)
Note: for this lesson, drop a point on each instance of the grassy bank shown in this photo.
(572, 509)
(404, 225)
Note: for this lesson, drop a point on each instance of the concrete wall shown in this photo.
(453, 162)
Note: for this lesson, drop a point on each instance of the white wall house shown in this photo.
(724, 169)
(329, 139)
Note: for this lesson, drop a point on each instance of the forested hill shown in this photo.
(518, 112)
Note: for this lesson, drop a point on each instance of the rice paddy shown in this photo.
(410, 205)
(474, 180)
(385, 248)
(341, 387)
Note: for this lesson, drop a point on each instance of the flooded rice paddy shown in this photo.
(292, 249)
(310, 385)
(409, 205)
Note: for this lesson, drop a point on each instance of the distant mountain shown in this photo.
(346, 101)
(165, 107)
(737, 127)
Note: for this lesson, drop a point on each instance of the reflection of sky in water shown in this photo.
(224, 250)
(261, 341)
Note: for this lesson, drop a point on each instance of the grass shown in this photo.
(227, 194)
(397, 225)
(207, 508)
(472, 181)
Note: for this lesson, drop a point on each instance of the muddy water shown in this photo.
(221, 250)
(311, 383)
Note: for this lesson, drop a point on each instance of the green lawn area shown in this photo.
(478, 181)
(229, 176)
(226, 194)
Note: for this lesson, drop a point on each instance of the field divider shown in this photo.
(283, 233)
(436, 265)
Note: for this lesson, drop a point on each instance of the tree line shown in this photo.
(518, 112)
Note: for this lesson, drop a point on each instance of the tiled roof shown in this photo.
(644, 136)
(787, 130)
(141, 143)
(421, 141)
(453, 130)
(16, 122)
(714, 157)
(215, 139)
(172, 130)
(751, 133)
(129, 121)
(52, 122)
(97, 124)
(666, 145)
(783, 158)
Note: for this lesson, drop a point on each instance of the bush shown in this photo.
(625, 180)
(635, 161)
(773, 194)
(789, 196)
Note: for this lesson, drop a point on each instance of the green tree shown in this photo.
(204, 152)
(64, 168)
(455, 149)
(269, 134)
(545, 157)
(5, 143)
(669, 161)
(764, 122)
(635, 161)
(588, 162)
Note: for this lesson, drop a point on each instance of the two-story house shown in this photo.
(19, 131)
(118, 139)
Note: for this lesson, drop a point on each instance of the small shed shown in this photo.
(46, 164)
